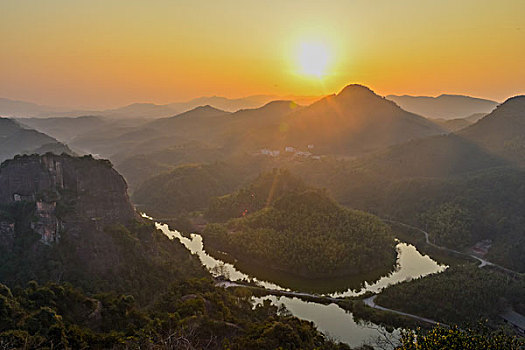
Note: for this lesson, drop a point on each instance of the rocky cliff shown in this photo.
(68, 193)
(65, 218)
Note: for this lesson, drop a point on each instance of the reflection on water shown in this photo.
(215, 266)
(334, 321)
(410, 264)
(330, 319)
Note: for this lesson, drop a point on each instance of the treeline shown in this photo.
(190, 315)
(306, 233)
(185, 189)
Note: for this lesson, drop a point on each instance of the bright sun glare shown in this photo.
(313, 58)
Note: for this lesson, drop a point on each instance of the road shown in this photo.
(482, 261)
(370, 302)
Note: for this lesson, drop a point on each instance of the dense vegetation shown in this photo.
(185, 189)
(190, 315)
(455, 338)
(308, 234)
(137, 259)
(259, 194)
(458, 212)
(190, 187)
(462, 294)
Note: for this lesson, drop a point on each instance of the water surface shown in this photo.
(410, 264)
(330, 319)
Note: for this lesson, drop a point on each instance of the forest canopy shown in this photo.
(306, 233)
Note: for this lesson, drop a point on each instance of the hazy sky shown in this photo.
(112, 52)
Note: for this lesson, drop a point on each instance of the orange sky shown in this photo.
(113, 52)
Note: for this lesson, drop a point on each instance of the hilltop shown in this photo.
(501, 132)
(280, 223)
(353, 122)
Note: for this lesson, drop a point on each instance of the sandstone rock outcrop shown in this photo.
(68, 193)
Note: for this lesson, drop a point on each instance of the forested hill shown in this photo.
(67, 219)
(263, 191)
(306, 233)
(501, 132)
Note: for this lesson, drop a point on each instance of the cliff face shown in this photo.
(69, 194)
(64, 218)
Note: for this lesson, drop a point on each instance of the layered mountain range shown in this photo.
(17, 139)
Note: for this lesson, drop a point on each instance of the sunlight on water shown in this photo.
(334, 321)
(215, 266)
(330, 319)
(410, 264)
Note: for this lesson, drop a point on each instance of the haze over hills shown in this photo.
(502, 132)
(354, 121)
(453, 125)
(15, 108)
(16, 139)
(205, 124)
(493, 140)
(64, 128)
(444, 106)
(261, 175)
(23, 109)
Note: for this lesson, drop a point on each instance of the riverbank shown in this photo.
(362, 306)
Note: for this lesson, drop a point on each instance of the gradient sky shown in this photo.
(113, 52)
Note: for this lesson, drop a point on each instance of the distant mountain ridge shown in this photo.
(354, 121)
(63, 129)
(23, 109)
(16, 108)
(445, 106)
(495, 140)
(16, 139)
(502, 132)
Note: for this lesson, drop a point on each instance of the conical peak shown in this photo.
(356, 90)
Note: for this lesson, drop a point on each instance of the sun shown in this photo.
(313, 58)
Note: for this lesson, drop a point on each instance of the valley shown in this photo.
(262, 175)
(278, 210)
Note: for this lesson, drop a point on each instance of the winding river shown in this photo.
(330, 319)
